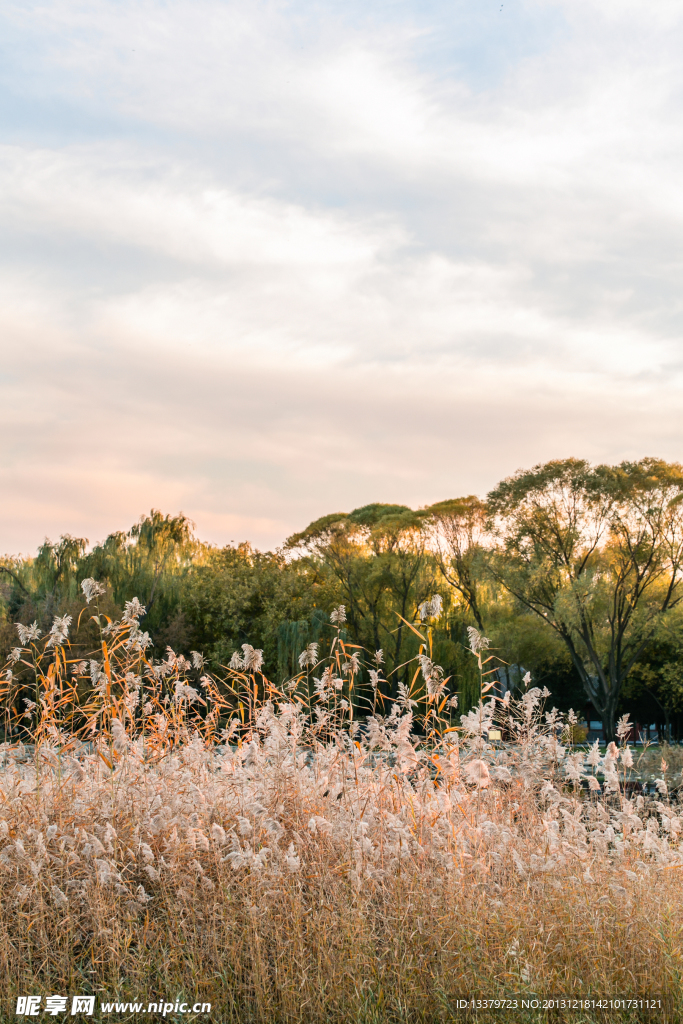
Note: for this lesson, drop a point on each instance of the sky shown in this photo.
(262, 261)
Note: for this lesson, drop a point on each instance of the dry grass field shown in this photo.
(172, 836)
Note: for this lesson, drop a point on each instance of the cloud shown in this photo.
(260, 261)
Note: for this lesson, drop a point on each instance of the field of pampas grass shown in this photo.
(168, 837)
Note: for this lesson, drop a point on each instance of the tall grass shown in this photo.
(170, 833)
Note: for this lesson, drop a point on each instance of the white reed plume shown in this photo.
(292, 862)
(309, 656)
(574, 767)
(478, 721)
(594, 758)
(141, 896)
(133, 681)
(431, 609)
(228, 733)
(252, 659)
(91, 589)
(119, 735)
(530, 701)
(352, 665)
(477, 773)
(623, 727)
(478, 643)
(106, 873)
(138, 641)
(28, 633)
(218, 834)
(171, 658)
(327, 683)
(432, 674)
(59, 898)
(404, 700)
(627, 757)
(338, 615)
(184, 692)
(98, 677)
(132, 611)
(608, 765)
(59, 631)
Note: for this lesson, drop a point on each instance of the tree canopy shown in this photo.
(596, 553)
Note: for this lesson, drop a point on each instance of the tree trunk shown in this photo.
(602, 697)
(608, 714)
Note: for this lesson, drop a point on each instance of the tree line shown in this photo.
(573, 572)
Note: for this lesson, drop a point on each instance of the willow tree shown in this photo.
(597, 554)
(378, 554)
(41, 587)
(149, 561)
(457, 528)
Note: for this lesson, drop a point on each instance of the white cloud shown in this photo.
(271, 262)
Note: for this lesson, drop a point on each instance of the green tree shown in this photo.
(150, 562)
(654, 690)
(236, 595)
(596, 553)
(379, 556)
(458, 530)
